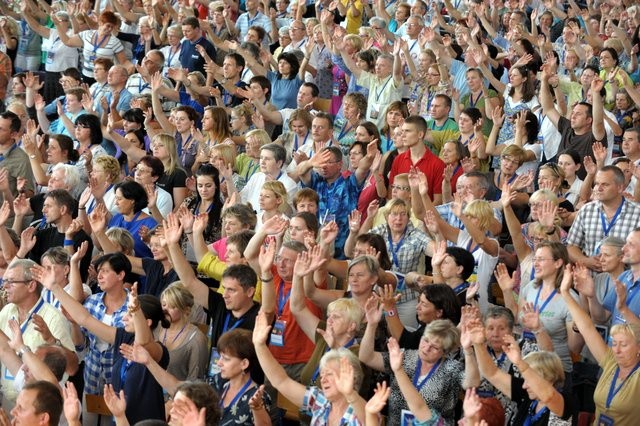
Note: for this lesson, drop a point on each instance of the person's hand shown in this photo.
(40, 325)
(596, 85)
(135, 353)
(267, 255)
(275, 225)
(72, 407)
(476, 332)
(547, 214)
(523, 181)
(567, 280)
(16, 342)
(156, 82)
(468, 165)
(133, 303)
(355, 220)
(28, 240)
(507, 196)
(471, 405)
(29, 144)
(79, 254)
(257, 399)
(373, 311)
(377, 161)
(172, 229)
(431, 223)
(74, 227)
(98, 218)
(185, 412)
(301, 267)
(372, 209)
(511, 349)
(475, 144)
(4, 179)
(200, 223)
(439, 254)
(39, 102)
(457, 205)
(46, 277)
(388, 297)
(261, 329)
(583, 281)
(589, 166)
(621, 293)
(116, 403)
(530, 317)
(345, 378)
(505, 281)
(498, 116)
(152, 196)
(5, 212)
(395, 354)
(377, 402)
(599, 153)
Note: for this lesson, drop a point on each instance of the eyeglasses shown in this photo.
(507, 159)
(284, 260)
(82, 126)
(141, 170)
(12, 282)
(541, 259)
(401, 187)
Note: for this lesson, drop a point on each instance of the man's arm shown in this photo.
(597, 126)
(546, 100)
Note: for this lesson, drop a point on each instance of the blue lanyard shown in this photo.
(603, 219)
(460, 288)
(35, 311)
(295, 141)
(546, 302)
(499, 361)
(237, 324)
(465, 143)
(124, 369)
(345, 130)
(416, 375)
(235, 398)
(172, 56)
(613, 390)
(282, 298)
(474, 249)
(141, 86)
(394, 251)
(99, 45)
(3, 156)
(253, 167)
(197, 209)
(98, 89)
(473, 103)
(379, 93)
(510, 181)
(327, 349)
(531, 417)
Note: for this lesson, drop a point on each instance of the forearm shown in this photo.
(471, 372)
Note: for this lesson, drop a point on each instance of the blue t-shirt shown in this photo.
(284, 93)
(633, 301)
(139, 247)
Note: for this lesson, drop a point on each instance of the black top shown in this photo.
(191, 59)
(581, 143)
(521, 397)
(177, 179)
(156, 279)
(50, 237)
(218, 312)
(143, 393)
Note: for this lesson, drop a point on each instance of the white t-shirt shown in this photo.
(59, 56)
(251, 191)
(94, 47)
(485, 265)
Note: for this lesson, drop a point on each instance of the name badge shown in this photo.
(605, 420)
(213, 362)
(277, 333)
(407, 418)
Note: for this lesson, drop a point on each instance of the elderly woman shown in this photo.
(615, 394)
(539, 402)
(437, 377)
(336, 402)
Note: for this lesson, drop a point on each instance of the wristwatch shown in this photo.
(23, 350)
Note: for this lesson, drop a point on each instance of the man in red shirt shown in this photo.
(414, 130)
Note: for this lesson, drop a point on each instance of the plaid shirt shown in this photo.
(405, 256)
(97, 363)
(318, 407)
(587, 231)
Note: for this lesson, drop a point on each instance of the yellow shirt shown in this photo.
(353, 23)
(624, 410)
(213, 267)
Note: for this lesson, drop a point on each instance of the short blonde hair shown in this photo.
(350, 308)
(110, 165)
(548, 365)
(337, 355)
(481, 210)
(259, 134)
(544, 195)
(177, 296)
(370, 262)
(445, 332)
(632, 330)
(397, 205)
(226, 151)
(280, 190)
(123, 238)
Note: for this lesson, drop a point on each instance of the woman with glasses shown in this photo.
(436, 375)
(172, 51)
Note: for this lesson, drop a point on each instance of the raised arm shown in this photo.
(546, 101)
(367, 353)
(302, 270)
(47, 277)
(597, 126)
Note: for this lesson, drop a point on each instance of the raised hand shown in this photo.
(267, 255)
(71, 407)
(329, 232)
(567, 279)
(98, 218)
(200, 223)
(505, 281)
(388, 297)
(116, 403)
(395, 354)
(372, 209)
(373, 311)
(547, 214)
(431, 223)
(599, 153)
(355, 220)
(439, 253)
(377, 402)
(507, 196)
(275, 225)
(41, 327)
(5, 212)
(511, 348)
(471, 405)
(621, 293)
(135, 353)
(16, 342)
(172, 229)
(27, 240)
(583, 280)
(345, 378)
(530, 317)
(46, 277)
(261, 329)
(498, 116)
(257, 399)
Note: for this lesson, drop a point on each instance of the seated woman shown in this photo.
(337, 402)
(273, 202)
(539, 402)
(237, 381)
(303, 225)
(144, 314)
(437, 377)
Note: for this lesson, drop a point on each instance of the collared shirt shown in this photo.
(98, 363)
(429, 164)
(316, 405)
(245, 21)
(58, 325)
(633, 300)
(587, 231)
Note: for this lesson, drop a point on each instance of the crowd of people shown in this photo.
(411, 212)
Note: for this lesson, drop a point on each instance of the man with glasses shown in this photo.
(298, 33)
(25, 302)
(140, 82)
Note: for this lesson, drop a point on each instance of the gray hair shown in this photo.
(370, 262)
(616, 242)
(337, 355)
(25, 265)
(71, 176)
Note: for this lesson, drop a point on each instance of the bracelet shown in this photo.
(67, 242)
(554, 87)
(391, 313)
(23, 350)
(135, 308)
(82, 208)
(266, 280)
(553, 231)
(538, 331)
(188, 233)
